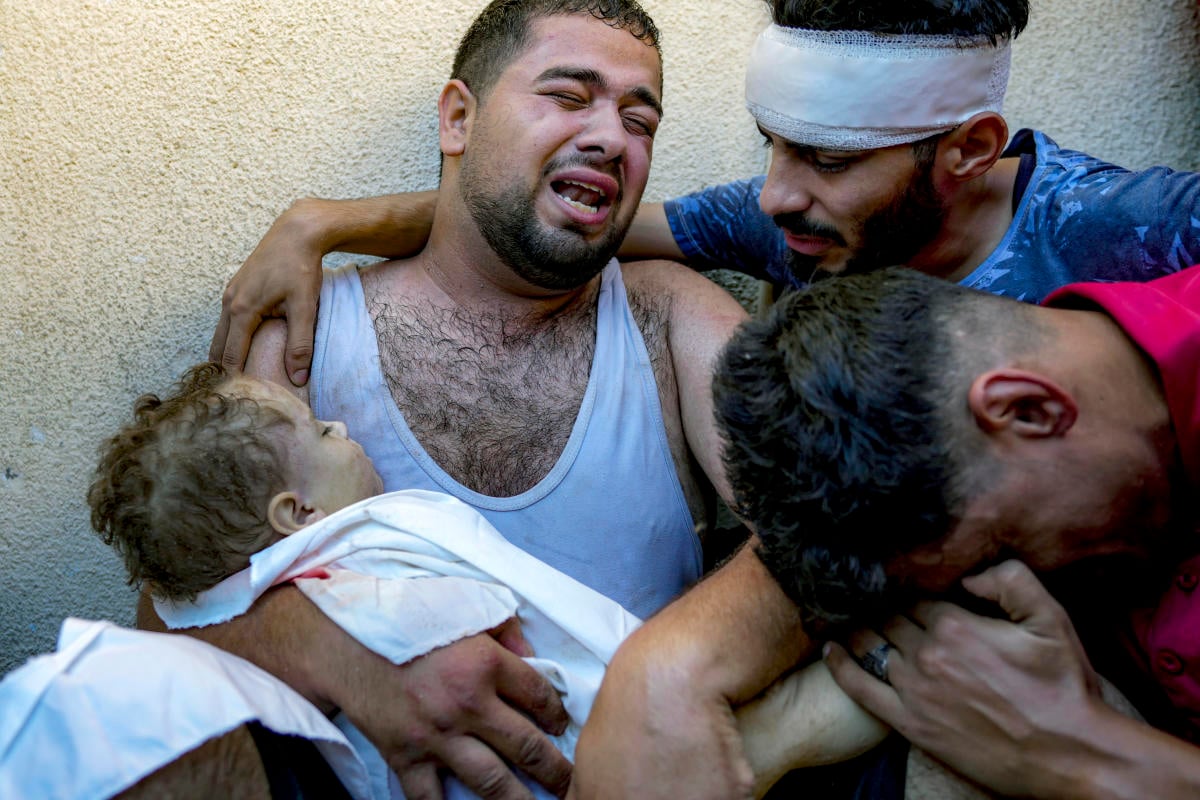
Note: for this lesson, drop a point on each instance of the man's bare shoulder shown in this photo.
(691, 298)
(663, 275)
(399, 277)
(265, 360)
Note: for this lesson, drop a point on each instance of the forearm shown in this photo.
(650, 236)
(284, 634)
(728, 638)
(471, 707)
(663, 724)
(1011, 704)
(226, 766)
(391, 226)
(1119, 758)
(803, 720)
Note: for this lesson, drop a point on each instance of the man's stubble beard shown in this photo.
(890, 236)
(544, 257)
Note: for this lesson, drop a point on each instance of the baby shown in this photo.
(230, 485)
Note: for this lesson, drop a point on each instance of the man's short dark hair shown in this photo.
(997, 19)
(842, 415)
(501, 32)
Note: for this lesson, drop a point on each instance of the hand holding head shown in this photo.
(887, 434)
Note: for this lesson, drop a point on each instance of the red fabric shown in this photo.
(320, 573)
(1163, 318)
(1168, 645)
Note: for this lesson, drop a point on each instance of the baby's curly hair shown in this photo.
(182, 491)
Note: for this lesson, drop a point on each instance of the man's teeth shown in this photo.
(576, 193)
(579, 205)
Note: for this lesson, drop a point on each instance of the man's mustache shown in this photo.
(605, 166)
(799, 225)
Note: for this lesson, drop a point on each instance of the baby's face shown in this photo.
(327, 468)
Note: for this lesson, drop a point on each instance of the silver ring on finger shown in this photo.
(875, 661)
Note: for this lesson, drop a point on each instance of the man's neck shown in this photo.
(975, 224)
(461, 270)
(488, 375)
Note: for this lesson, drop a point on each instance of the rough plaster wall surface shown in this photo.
(145, 146)
(1119, 79)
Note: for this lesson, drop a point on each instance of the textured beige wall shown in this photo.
(145, 145)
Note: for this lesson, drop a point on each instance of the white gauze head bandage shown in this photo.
(855, 90)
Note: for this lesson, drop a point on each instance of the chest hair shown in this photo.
(493, 400)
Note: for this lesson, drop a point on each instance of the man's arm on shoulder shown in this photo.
(650, 236)
(282, 276)
(723, 227)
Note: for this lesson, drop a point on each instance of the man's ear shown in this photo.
(456, 111)
(1022, 403)
(288, 513)
(973, 147)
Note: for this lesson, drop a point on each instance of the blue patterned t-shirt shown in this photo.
(1078, 219)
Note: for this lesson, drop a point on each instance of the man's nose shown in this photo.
(785, 190)
(604, 132)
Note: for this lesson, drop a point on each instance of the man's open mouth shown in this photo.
(586, 197)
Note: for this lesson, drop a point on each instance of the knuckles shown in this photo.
(952, 625)
(493, 781)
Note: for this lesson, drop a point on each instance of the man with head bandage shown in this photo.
(884, 147)
(889, 149)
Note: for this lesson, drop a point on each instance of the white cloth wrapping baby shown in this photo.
(113, 705)
(410, 571)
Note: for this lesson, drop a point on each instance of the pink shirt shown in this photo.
(1163, 318)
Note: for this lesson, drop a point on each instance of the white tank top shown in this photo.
(610, 513)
